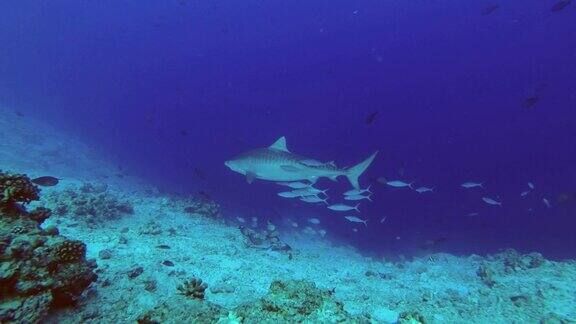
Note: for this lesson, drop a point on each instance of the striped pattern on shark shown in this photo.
(277, 163)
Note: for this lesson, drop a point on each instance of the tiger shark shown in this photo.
(277, 163)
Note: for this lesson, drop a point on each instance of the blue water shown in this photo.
(170, 90)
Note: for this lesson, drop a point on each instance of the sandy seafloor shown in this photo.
(442, 287)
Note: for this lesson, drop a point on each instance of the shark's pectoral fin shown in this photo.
(250, 176)
(289, 168)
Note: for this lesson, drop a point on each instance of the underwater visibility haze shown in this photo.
(398, 161)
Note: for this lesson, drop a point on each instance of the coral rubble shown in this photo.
(39, 269)
(90, 203)
(203, 207)
(296, 301)
(268, 239)
(292, 301)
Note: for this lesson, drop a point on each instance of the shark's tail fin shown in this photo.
(353, 173)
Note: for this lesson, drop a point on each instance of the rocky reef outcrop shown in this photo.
(39, 269)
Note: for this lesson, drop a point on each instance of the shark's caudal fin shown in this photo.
(353, 173)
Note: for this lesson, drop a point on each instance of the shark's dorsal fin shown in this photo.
(280, 145)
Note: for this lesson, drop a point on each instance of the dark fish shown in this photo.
(46, 181)
(163, 246)
(530, 102)
(565, 198)
(204, 195)
(19, 113)
(190, 209)
(430, 243)
(168, 263)
(199, 173)
(184, 132)
(541, 87)
(560, 5)
(490, 9)
(371, 117)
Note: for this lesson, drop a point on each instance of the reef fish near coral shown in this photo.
(46, 181)
(277, 163)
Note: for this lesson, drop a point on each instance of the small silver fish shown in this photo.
(342, 207)
(289, 194)
(314, 191)
(473, 214)
(241, 219)
(383, 219)
(424, 189)
(531, 185)
(357, 197)
(314, 199)
(399, 184)
(322, 232)
(524, 193)
(491, 201)
(355, 219)
(294, 185)
(546, 202)
(355, 192)
(314, 221)
(469, 185)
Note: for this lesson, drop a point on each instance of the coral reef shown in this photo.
(15, 189)
(268, 239)
(296, 301)
(203, 207)
(39, 269)
(193, 288)
(292, 301)
(90, 203)
(411, 318)
(513, 261)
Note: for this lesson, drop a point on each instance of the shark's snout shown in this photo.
(232, 165)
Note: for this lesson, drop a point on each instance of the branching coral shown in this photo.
(193, 288)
